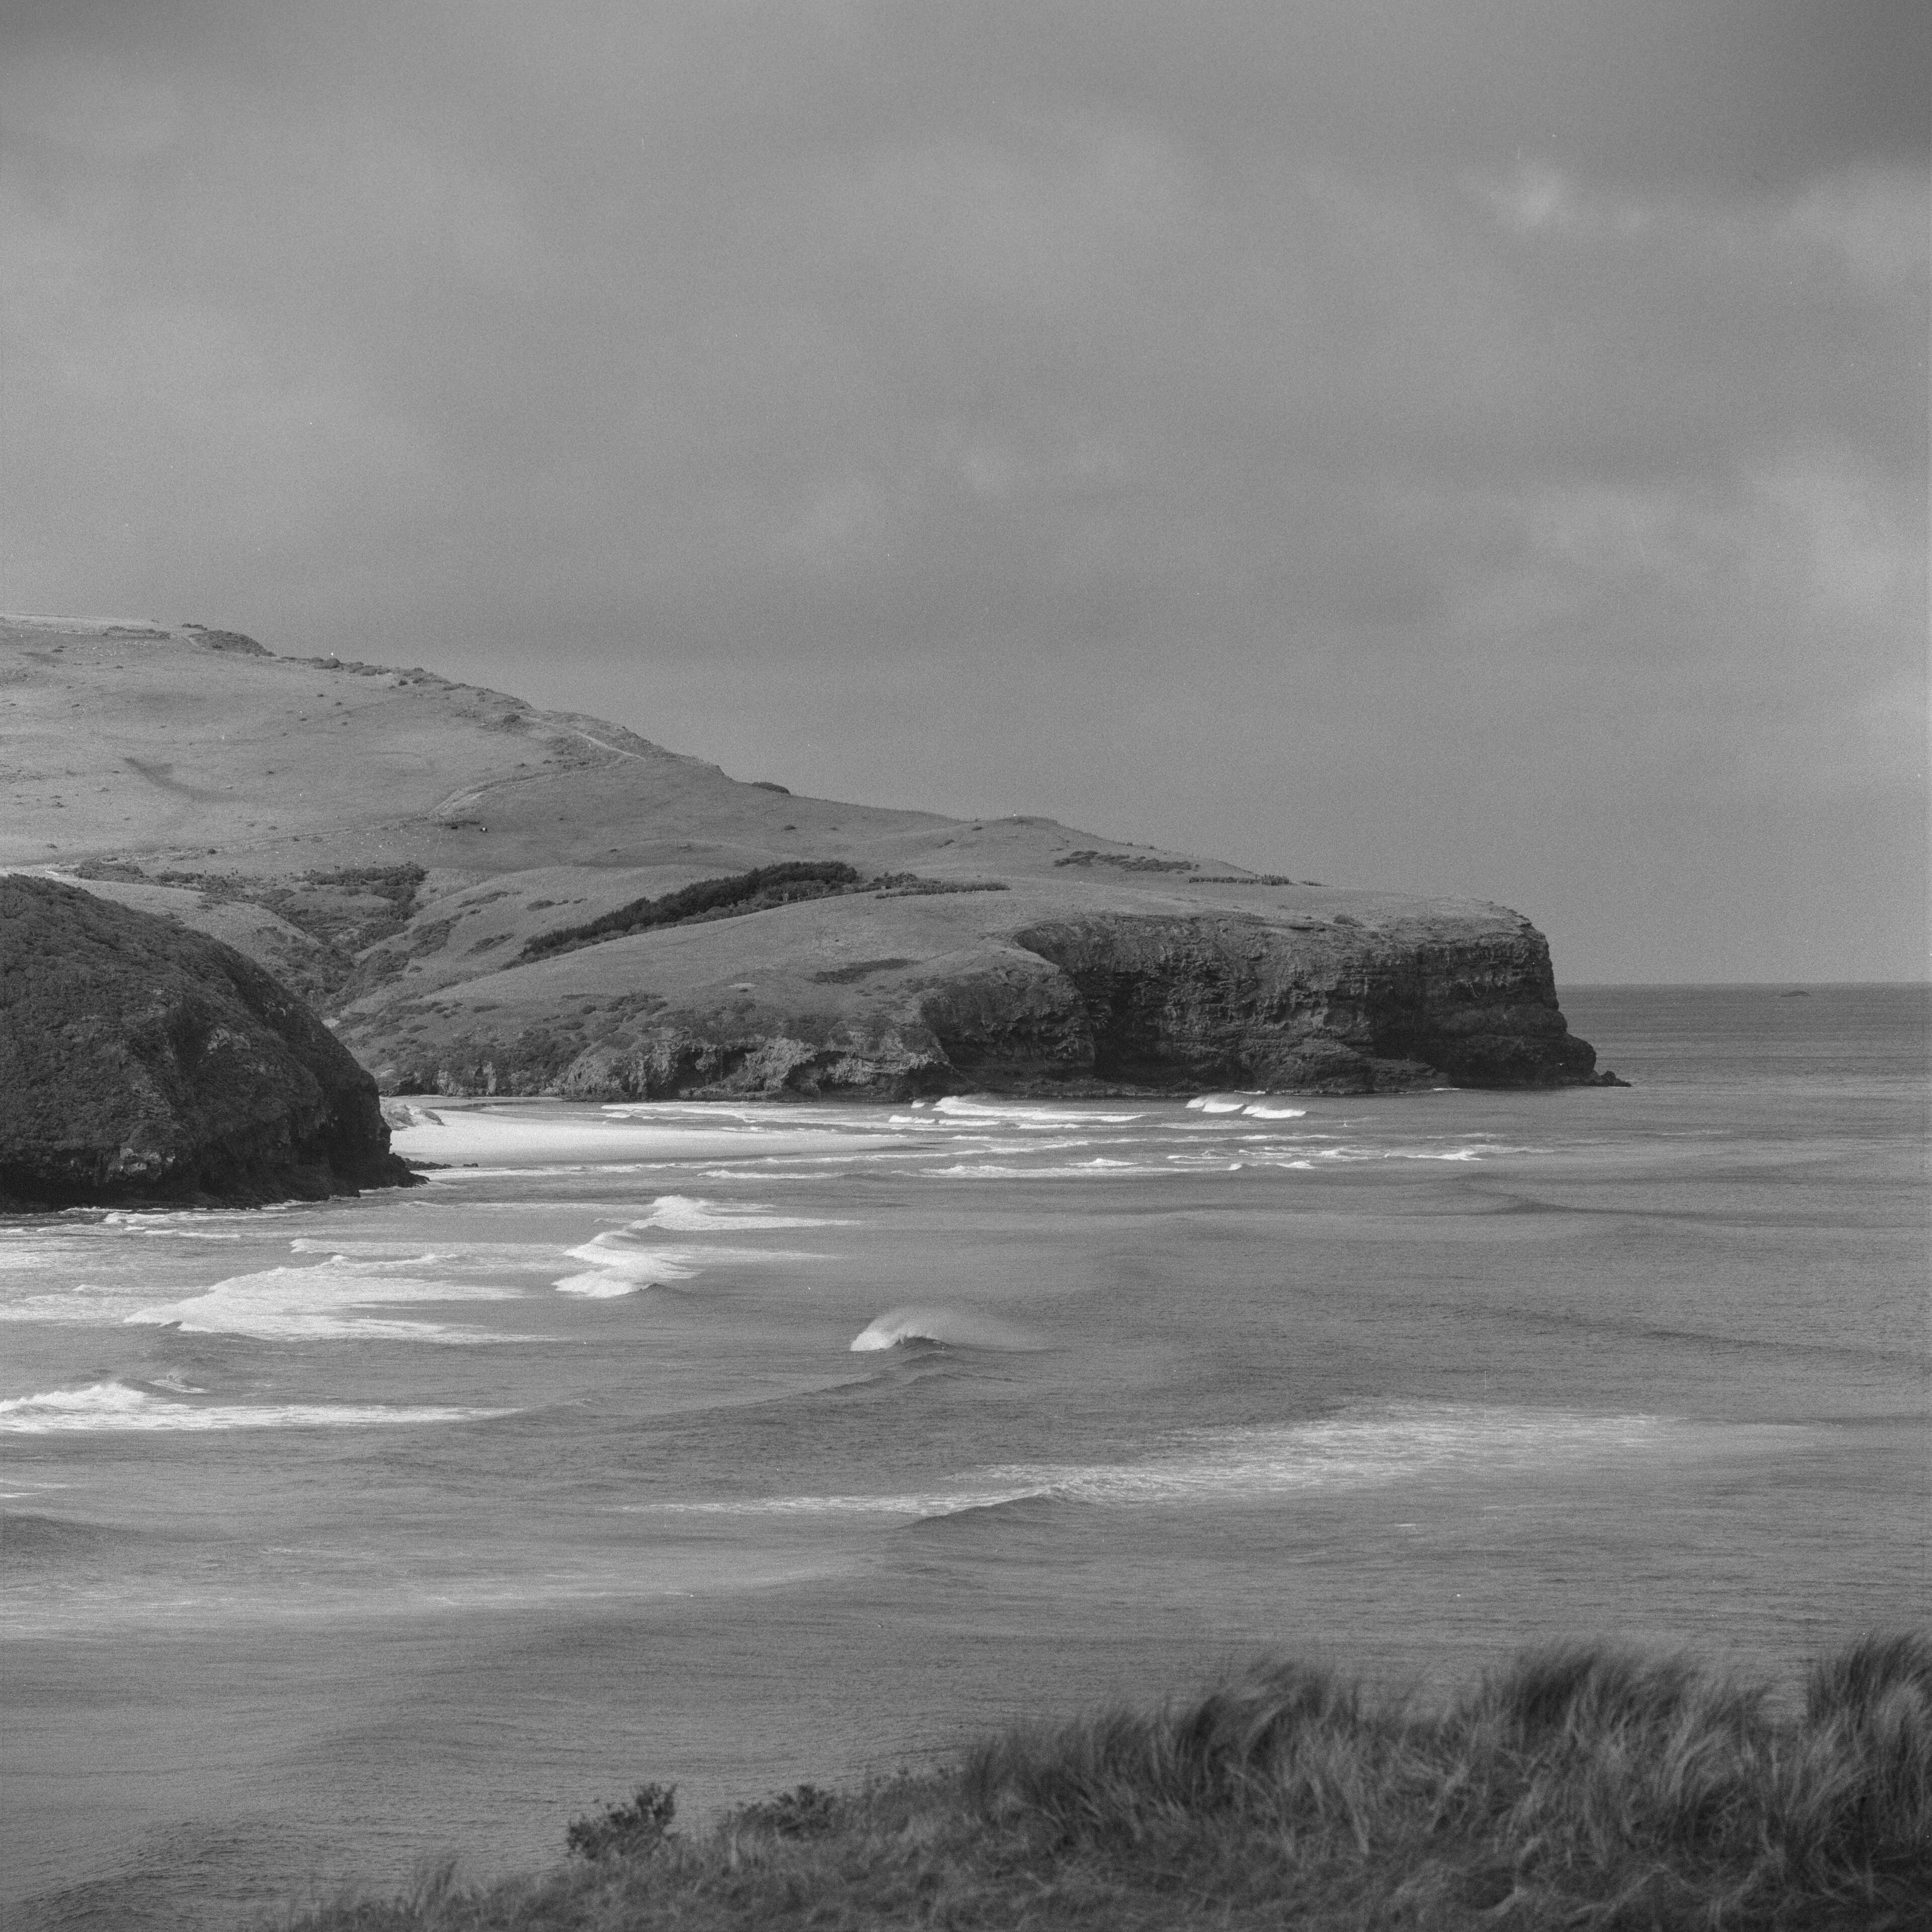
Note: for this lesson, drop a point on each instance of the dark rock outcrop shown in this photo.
(1195, 1002)
(143, 1063)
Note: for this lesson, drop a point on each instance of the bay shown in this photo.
(738, 1447)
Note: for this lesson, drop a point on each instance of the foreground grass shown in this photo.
(1584, 1788)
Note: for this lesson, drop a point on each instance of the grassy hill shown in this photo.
(406, 850)
(1585, 1789)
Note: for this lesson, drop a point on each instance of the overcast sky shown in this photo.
(1470, 446)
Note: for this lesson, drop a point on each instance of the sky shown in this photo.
(1476, 447)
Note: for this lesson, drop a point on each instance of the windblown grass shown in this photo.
(1584, 1788)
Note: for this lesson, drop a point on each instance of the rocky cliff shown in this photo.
(141, 1062)
(1105, 1003)
(487, 898)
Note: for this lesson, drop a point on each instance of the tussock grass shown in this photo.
(1585, 1788)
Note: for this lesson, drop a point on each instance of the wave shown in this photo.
(668, 1112)
(1110, 1170)
(617, 1266)
(1247, 1106)
(322, 1303)
(684, 1214)
(1022, 1114)
(191, 1222)
(519, 1140)
(1366, 1448)
(937, 1502)
(617, 1263)
(83, 1302)
(30, 1257)
(374, 1256)
(1357, 1448)
(950, 1326)
(29, 1540)
(102, 1406)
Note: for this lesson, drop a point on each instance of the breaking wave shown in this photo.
(616, 1262)
(1021, 1114)
(683, 1214)
(1358, 1449)
(953, 1328)
(323, 1302)
(115, 1406)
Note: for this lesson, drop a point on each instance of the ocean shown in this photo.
(735, 1447)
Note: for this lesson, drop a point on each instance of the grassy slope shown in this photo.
(241, 793)
(178, 758)
(1583, 1789)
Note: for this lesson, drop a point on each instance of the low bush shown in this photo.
(740, 893)
(625, 1831)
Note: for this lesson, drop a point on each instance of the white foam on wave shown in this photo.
(957, 1327)
(1020, 1113)
(375, 1255)
(134, 1224)
(77, 1302)
(937, 1502)
(617, 1262)
(517, 1141)
(673, 1111)
(1103, 1170)
(323, 1302)
(1361, 1448)
(103, 1406)
(1260, 1113)
(1348, 1154)
(685, 1214)
(1366, 1448)
(1220, 1103)
(614, 1265)
(34, 1257)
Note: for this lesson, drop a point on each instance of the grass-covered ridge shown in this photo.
(1584, 1788)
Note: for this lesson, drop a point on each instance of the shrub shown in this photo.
(625, 1831)
(708, 898)
(805, 1812)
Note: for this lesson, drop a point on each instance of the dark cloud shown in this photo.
(1470, 446)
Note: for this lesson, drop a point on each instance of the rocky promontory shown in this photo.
(141, 1062)
(482, 897)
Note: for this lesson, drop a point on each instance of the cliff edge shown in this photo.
(141, 1063)
(487, 898)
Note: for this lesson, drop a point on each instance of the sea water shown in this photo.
(736, 1446)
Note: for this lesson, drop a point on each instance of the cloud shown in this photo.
(1308, 433)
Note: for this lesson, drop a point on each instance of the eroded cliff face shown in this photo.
(141, 1062)
(1102, 1005)
(1183, 1002)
